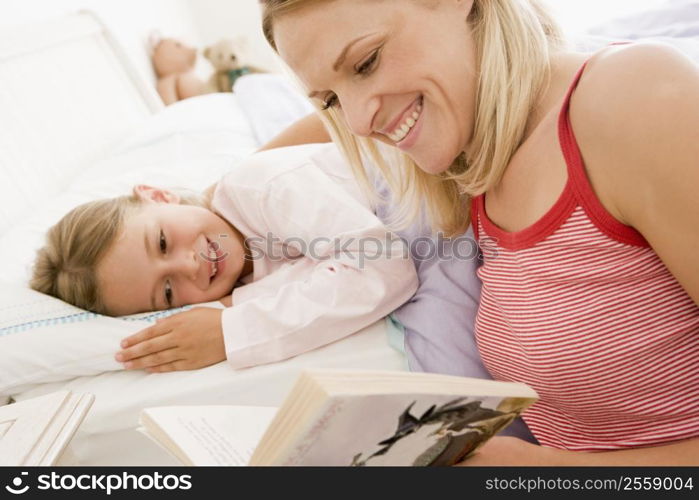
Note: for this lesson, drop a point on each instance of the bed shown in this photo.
(95, 134)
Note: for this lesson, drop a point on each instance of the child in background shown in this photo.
(290, 225)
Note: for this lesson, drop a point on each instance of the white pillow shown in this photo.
(43, 339)
(271, 103)
(191, 144)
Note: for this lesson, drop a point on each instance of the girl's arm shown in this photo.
(350, 271)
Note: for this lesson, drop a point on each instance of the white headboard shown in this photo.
(67, 92)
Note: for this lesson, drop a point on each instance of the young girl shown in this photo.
(288, 224)
(579, 170)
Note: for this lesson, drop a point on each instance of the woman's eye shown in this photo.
(330, 102)
(163, 242)
(368, 64)
(168, 294)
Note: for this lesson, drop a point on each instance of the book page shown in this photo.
(29, 421)
(62, 429)
(208, 435)
(5, 426)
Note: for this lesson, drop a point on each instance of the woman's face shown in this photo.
(169, 255)
(399, 71)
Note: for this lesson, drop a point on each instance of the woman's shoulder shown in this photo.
(629, 110)
(625, 84)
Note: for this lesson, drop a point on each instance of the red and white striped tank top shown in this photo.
(580, 307)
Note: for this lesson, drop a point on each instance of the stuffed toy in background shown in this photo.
(174, 64)
(227, 58)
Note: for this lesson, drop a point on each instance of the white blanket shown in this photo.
(109, 436)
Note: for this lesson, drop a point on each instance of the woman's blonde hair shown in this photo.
(514, 42)
(66, 266)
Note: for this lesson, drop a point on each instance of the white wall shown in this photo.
(577, 16)
(130, 20)
(201, 22)
(216, 19)
(196, 22)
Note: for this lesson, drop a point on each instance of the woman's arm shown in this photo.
(636, 117)
(512, 451)
(637, 120)
(307, 130)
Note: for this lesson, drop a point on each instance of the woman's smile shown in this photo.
(403, 124)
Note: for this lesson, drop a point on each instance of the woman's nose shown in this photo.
(358, 111)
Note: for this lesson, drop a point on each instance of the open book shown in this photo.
(36, 431)
(346, 418)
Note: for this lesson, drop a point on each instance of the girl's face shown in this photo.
(169, 255)
(399, 71)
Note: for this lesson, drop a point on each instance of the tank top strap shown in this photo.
(579, 182)
(577, 192)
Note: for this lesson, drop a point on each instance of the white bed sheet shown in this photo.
(108, 436)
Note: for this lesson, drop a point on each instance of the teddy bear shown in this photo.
(228, 62)
(174, 63)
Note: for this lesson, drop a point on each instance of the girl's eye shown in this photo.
(168, 294)
(330, 102)
(163, 242)
(368, 64)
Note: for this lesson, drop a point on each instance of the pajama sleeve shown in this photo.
(349, 271)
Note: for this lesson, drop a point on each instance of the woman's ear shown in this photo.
(465, 6)
(150, 194)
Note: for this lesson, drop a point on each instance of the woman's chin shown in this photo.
(432, 167)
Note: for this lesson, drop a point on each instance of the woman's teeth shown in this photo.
(402, 130)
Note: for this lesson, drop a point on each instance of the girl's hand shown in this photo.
(505, 450)
(185, 341)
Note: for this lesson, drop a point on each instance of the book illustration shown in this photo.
(397, 430)
(442, 435)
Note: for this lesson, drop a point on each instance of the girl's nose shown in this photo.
(187, 265)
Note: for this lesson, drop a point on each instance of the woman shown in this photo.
(591, 284)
